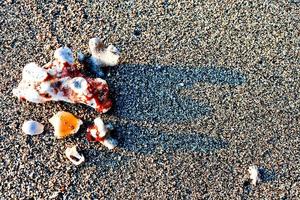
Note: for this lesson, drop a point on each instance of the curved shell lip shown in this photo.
(31, 127)
(73, 155)
(56, 121)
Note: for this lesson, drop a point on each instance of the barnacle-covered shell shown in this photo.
(73, 155)
(65, 124)
(31, 127)
(101, 133)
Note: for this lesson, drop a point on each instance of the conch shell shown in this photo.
(31, 127)
(101, 133)
(65, 124)
(73, 155)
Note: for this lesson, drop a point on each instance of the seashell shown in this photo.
(101, 133)
(73, 155)
(61, 80)
(65, 124)
(102, 56)
(31, 127)
(254, 174)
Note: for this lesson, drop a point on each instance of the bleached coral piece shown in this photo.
(73, 155)
(65, 124)
(102, 56)
(101, 133)
(31, 127)
(254, 174)
(61, 80)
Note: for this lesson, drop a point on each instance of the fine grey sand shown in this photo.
(203, 91)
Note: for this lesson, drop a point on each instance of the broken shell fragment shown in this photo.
(73, 155)
(110, 143)
(65, 124)
(31, 127)
(101, 133)
(61, 80)
(101, 56)
(254, 174)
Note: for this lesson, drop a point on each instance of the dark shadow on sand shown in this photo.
(151, 141)
(150, 93)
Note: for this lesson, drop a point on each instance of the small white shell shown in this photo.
(73, 155)
(31, 127)
(254, 174)
(103, 56)
(100, 127)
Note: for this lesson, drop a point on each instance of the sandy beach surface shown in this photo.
(204, 90)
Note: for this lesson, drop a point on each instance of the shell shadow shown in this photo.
(150, 93)
(150, 141)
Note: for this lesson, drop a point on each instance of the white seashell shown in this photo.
(73, 155)
(254, 174)
(103, 56)
(110, 143)
(64, 54)
(31, 127)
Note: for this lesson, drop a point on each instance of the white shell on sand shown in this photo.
(103, 56)
(73, 155)
(254, 174)
(31, 127)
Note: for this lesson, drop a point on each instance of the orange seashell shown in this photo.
(65, 124)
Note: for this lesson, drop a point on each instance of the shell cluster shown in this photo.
(61, 80)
